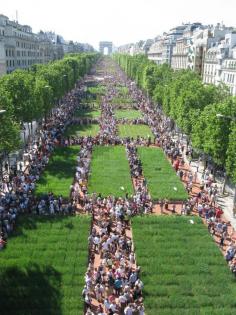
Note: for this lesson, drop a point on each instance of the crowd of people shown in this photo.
(16, 194)
(112, 277)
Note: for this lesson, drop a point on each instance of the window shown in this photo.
(6, 53)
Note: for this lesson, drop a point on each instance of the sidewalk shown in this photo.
(224, 201)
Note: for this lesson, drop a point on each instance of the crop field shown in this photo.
(128, 114)
(88, 113)
(42, 269)
(110, 173)
(162, 181)
(82, 130)
(122, 90)
(133, 131)
(183, 271)
(122, 101)
(97, 90)
(59, 173)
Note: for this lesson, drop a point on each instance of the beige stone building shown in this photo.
(220, 63)
(180, 54)
(20, 48)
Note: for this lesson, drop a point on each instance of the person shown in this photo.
(161, 205)
(118, 286)
(173, 208)
(128, 310)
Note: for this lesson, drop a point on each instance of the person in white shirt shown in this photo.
(128, 310)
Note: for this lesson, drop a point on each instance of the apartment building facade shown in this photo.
(20, 48)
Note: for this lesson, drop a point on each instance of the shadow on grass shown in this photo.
(30, 290)
(61, 167)
(73, 130)
(29, 222)
(86, 113)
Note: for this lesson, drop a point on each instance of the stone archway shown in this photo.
(103, 45)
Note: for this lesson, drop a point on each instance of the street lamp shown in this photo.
(2, 111)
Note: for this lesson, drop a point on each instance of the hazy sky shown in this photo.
(120, 21)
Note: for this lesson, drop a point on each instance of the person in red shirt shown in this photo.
(219, 213)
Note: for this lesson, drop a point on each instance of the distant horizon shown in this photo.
(123, 22)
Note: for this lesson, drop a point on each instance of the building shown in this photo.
(220, 63)
(20, 48)
(210, 66)
(156, 49)
(181, 50)
(162, 49)
(201, 41)
(141, 47)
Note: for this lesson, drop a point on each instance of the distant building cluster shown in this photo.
(209, 50)
(20, 48)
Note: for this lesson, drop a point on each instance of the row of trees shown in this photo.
(206, 113)
(28, 95)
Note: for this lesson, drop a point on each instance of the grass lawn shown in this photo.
(88, 113)
(83, 130)
(59, 173)
(122, 90)
(109, 171)
(42, 269)
(91, 102)
(133, 131)
(100, 89)
(122, 101)
(128, 113)
(161, 179)
(183, 271)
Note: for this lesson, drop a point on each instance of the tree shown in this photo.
(231, 153)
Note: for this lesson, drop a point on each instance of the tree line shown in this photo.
(206, 113)
(28, 95)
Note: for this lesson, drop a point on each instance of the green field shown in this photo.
(162, 181)
(122, 101)
(82, 130)
(88, 113)
(128, 113)
(42, 269)
(122, 90)
(97, 90)
(183, 271)
(109, 172)
(133, 131)
(59, 173)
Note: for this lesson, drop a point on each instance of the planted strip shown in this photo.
(82, 130)
(133, 131)
(183, 271)
(162, 181)
(110, 174)
(59, 173)
(42, 269)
